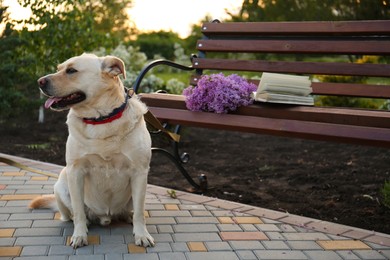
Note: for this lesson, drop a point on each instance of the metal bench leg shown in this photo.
(180, 159)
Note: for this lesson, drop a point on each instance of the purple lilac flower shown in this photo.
(219, 93)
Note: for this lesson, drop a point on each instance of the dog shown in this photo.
(108, 149)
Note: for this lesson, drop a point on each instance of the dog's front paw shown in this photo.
(143, 238)
(79, 237)
(78, 241)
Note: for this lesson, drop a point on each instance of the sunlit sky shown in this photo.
(155, 15)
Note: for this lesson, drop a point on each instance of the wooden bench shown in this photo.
(279, 48)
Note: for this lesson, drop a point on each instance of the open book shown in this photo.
(283, 88)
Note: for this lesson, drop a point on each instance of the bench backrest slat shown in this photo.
(320, 68)
(310, 46)
(301, 48)
(296, 28)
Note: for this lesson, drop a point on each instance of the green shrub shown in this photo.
(386, 194)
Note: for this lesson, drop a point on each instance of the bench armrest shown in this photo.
(155, 63)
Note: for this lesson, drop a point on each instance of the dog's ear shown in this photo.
(113, 66)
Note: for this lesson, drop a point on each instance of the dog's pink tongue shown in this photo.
(50, 101)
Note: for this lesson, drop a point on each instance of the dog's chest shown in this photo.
(107, 183)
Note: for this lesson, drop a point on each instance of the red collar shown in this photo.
(114, 115)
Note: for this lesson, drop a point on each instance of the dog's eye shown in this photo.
(70, 70)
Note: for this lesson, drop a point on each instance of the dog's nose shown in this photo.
(42, 82)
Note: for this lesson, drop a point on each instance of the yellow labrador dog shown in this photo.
(107, 151)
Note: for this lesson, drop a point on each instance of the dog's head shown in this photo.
(81, 79)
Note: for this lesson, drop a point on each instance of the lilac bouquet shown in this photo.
(219, 93)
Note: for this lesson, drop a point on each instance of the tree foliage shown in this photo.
(56, 31)
(312, 10)
(161, 43)
(12, 99)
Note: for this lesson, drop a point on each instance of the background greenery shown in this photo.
(63, 29)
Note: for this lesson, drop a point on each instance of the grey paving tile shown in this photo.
(222, 213)
(192, 207)
(153, 256)
(8, 241)
(268, 227)
(279, 255)
(7, 192)
(18, 203)
(85, 250)
(46, 191)
(121, 230)
(212, 256)
(165, 229)
(42, 258)
(114, 239)
(152, 229)
(61, 250)
(4, 217)
(113, 257)
(15, 224)
(30, 232)
(218, 246)
(86, 257)
(166, 237)
(34, 251)
(52, 223)
(323, 255)
(248, 227)
(25, 187)
(348, 255)
(195, 228)
(201, 213)
(275, 245)
(369, 254)
(179, 247)
(275, 235)
(229, 227)
(32, 216)
(154, 207)
(159, 247)
(246, 255)
(246, 245)
(160, 220)
(172, 256)
(287, 228)
(30, 241)
(169, 213)
(192, 220)
(110, 248)
(196, 237)
(386, 253)
(304, 245)
(305, 236)
(93, 230)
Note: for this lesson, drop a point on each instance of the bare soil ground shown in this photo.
(328, 181)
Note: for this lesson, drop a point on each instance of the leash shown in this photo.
(153, 121)
(26, 168)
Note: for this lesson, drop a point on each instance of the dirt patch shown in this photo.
(328, 181)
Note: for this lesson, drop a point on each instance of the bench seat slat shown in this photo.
(273, 126)
(380, 119)
(296, 46)
(299, 67)
(373, 27)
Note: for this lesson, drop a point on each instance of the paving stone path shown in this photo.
(188, 227)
